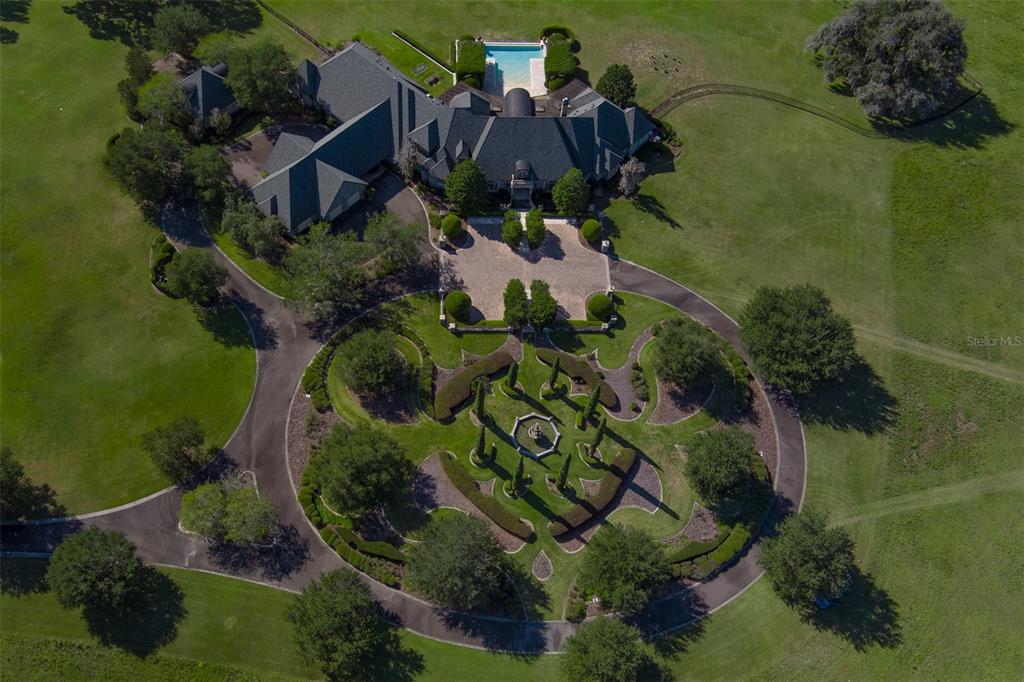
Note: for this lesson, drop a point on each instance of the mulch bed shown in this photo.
(432, 489)
(542, 568)
(701, 526)
(620, 379)
(301, 442)
(392, 407)
(676, 404)
(757, 421)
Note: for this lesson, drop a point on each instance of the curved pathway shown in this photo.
(284, 346)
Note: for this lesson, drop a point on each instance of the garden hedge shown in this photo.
(471, 62)
(461, 479)
(600, 307)
(561, 30)
(458, 304)
(375, 548)
(451, 226)
(535, 229)
(425, 375)
(740, 374)
(559, 60)
(314, 378)
(460, 387)
(553, 84)
(358, 560)
(591, 230)
(578, 369)
(606, 491)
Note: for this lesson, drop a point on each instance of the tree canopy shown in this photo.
(517, 307)
(543, 306)
(230, 511)
(807, 559)
(258, 234)
(623, 566)
(685, 354)
(465, 188)
(336, 626)
(617, 84)
(718, 464)
(459, 563)
(326, 271)
(176, 448)
(370, 362)
(362, 468)
(178, 28)
(396, 244)
(261, 77)
(162, 102)
(208, 171)
(605, 650)
(94, 568)
(900, 58)
(194, 274)
(146, 162)
(795, 338)
(571, 193)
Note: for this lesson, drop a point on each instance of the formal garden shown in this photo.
(549, 449)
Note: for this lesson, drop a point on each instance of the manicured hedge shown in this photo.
(600, 307)
(740, 374)
(461, 479)
(314, 378)
(458, 304)
(161, 254)
(451, 226)
(592, 506)
(579, 369)
(695, 549)
(562, 30)
(425, 375)
(358, 560)
(460, 387)
(535, 229)
(559, 60)
(471, 61)
(591, 230)
(553, 84)
(372, 547)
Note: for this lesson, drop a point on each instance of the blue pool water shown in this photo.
(511, 66)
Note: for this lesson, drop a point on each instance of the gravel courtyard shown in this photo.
(482, 265)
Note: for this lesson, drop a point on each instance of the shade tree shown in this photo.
(465, 188)
(176, 448)
(605, 650)
(617, 84)
(194, 274)
(370, 362)
(230, 511)
(623, 566)
(395, 244)
(571, 193)
(795, 338)
(685, 354)
(362, 468)
(162, 102)
(95, 569)
(543, 306)
(146, 163)
(21, 498)
(260, 235)
(178, 28)
(261, 77)
(208, 172)
(718, 464)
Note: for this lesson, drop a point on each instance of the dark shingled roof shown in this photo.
(205, 91)
(518, 103)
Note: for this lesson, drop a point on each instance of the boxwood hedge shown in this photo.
(460, 387)
(425, 376)
(592, 506)
(358, 560)
(471, 62)
(600, 307)
(461, 479)
(578, 369)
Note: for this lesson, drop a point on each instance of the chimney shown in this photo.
(565, 107)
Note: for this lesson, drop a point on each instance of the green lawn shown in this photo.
(93, 356)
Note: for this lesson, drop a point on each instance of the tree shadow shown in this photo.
(19, 577)
(24, 499)
(671, 624)
(220, 321)
(389, 660)
(285, 554)
(857, 401)
(233, 15)
(864, 616)
(149, 620)
(264, 333)
(970, 125)
(15, 10)
(651, 205)
(8, 36)
(126, 20)
(658, 158)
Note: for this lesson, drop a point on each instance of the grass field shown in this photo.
(916, 239)
(93, 356)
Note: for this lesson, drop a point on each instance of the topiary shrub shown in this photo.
(535, 230)
(451, 227)
(595, 504)
(554, 83)
(600, 307)
(471, 62)
(579, 370)
(505, 518)
(460, 387)
(566, 33)
(591, 230)
(458, 304)
(511, 229)
(559, 59)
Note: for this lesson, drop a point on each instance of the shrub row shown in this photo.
(578, 369)
(551, 30)
(639, 383)
(461, 479)
(471, 62)
(559, 60)
(425, 376)
(535, 229)
(360, 561)
(307, 498)
(696, 549)
(740, 374)
(314, 379)
(375, 548)
(592, 506)
(460, 387)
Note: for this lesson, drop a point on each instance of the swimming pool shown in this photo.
(514, 65)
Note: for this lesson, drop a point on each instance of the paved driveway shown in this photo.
(483, 265)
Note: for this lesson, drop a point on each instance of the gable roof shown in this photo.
(205, 90)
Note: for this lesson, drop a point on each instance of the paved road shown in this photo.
(284, 347)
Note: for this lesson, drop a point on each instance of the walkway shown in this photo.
(284, 347)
